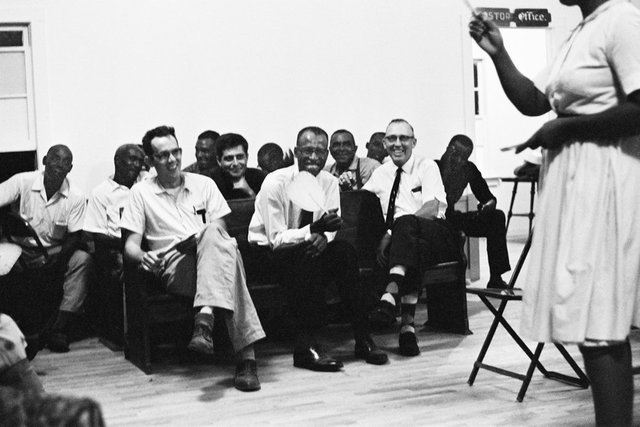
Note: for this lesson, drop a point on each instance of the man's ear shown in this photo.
(44, 160)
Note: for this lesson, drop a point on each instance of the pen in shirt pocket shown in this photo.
(200, 210)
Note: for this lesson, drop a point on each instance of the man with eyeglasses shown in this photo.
(55, 210)
(413, 199)
(299, 248)
(174, 207)
(352, 171)
(457, 172)
(102, 221)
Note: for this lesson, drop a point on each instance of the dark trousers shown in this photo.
(304, 280)
(418, 243)
(491, 225)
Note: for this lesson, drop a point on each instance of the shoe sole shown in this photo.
(200, 347)
(247, 388)
(329, 369)
(409, 353)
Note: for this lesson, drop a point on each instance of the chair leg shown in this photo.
(487, 343)
(532, 367)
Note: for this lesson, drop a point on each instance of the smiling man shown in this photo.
(205, 163)
(102, 220)
(234, 179)
(171, 207)
(55, 210)
(352, 171)
(412, 195)
(300, 247)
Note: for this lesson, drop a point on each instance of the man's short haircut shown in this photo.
(230, 140)
(378, 135)
(314, 130)
(57, 147)
(209, 134)
(344, 131)
(462, 139)
(120, 151)
(402, 121)
(270, 149)
(158, 132)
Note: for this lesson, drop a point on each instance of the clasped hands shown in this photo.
(317, 241)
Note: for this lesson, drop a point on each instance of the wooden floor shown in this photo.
(430, 389)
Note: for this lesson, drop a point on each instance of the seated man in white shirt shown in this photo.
(55, 210)
(102, 220)
(411, 193)
(300, 247)
(177, 206)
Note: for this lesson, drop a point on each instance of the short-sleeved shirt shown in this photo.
(601, 56)
(162, 218)
(420, 182)
(105, 208)
(363, 165)
(51, 219)
(276, 220)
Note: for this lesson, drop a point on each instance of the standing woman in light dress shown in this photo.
(584, 270)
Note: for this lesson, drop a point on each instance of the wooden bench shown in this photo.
(147, 307)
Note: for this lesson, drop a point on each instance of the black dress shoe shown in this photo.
(409, 344)
(497, 284)
(57, 342)
(368, 350)
(310, 358)
(383, 315)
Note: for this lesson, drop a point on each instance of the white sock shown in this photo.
(388, 298)
(407, 328)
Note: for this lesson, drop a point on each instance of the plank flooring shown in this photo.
(430, 389)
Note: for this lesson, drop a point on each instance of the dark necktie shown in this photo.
(392, 199)
(306, 218)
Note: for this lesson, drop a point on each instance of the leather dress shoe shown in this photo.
(368, 350)
(383, 315)
(246, 378)
(497, 284)
(57, 342)
(311, 358)
(409, 344)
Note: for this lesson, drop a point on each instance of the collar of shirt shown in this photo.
(114, 185)
(352, 167)
(38, 186)
(408, 166)
(159, 189)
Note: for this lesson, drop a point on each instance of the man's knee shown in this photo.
(215, 233)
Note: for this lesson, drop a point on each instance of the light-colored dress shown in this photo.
(583, 277)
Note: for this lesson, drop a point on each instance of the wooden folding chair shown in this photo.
(514, 294)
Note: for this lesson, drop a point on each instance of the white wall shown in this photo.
(263, 68)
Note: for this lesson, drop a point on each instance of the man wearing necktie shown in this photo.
(299, 245)
(411, 193)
